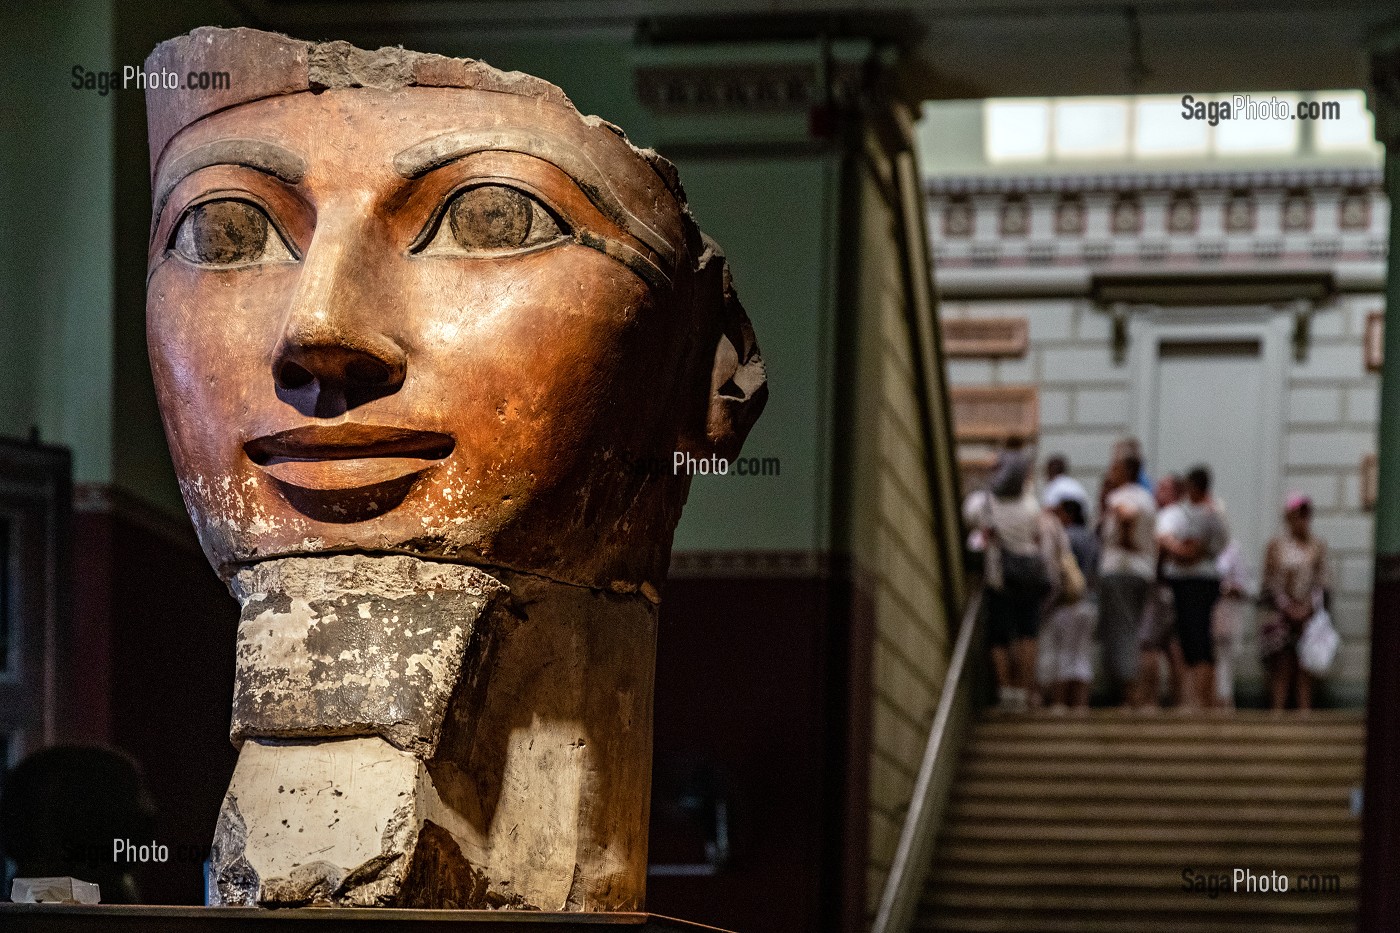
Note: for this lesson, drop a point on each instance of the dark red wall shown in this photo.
(757, 689)
(155, 635)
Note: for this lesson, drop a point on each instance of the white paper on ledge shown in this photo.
(54, 891)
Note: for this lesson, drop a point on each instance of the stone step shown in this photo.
(1104, 878)
(1240, 726)
(1037, 854)
(1226, 752)
(1085, 824)
(976, 921)
(1243, 817)
(1159, 903)
(1148, 832)
(1048, 789)
(1093, 771)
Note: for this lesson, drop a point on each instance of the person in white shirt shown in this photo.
(1127, 568)
(1192, 536)
(1227, 624)
(1060, 486)
(1020, 543)
(1158, 639)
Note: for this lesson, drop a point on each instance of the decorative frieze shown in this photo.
(1127, 216)
(1069, 216)
(1015, 217)
(1240, 212)
(1354, 212)
(1183, 214)
(1297, 212)
(1199, 180)
(1178, 220)
(746, 88)
(959, 219)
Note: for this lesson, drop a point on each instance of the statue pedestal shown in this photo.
(62, 918)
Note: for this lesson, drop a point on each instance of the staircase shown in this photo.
(1086, 824)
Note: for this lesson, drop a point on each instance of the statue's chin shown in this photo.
(309, 488)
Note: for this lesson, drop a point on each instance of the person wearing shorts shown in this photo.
(1019, 576)
(1192, 536)
(1013, 615)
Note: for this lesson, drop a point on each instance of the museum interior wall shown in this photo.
(893, 513)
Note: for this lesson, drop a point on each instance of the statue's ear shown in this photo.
(738, 384)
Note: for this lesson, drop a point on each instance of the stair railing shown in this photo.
(951, 721)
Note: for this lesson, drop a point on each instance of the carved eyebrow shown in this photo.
(421, 158)
(274, 160)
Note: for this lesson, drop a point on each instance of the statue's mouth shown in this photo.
(347, 456)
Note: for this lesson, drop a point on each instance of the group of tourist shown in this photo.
(1148, 574)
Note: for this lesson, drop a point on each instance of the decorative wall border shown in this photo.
(750, 564)
(1202, 179)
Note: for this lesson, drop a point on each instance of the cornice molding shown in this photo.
(1203, 179)
(747, 564)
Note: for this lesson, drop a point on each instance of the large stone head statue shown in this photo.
(425, 341)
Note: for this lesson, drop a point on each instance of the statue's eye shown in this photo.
(229, 233)
(491, 218)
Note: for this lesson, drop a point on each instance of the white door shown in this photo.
(1208, 388)
(1210, 410)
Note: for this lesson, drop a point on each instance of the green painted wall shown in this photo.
(56, 234)
(140, 459)
(774, 218)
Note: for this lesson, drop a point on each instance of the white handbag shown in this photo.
(1317, 646)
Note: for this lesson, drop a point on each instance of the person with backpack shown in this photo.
(1019, 576)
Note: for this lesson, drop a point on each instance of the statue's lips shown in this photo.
(347, 456)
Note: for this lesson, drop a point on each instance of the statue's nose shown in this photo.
(323, 372)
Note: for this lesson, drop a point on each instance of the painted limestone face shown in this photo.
(450, 322)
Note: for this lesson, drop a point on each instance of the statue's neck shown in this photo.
(503, 710)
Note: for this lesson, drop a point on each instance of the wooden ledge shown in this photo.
(63, 918)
